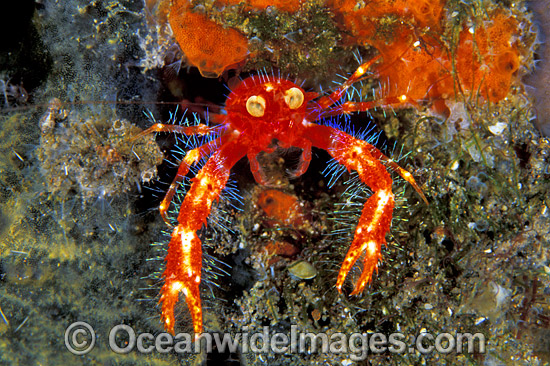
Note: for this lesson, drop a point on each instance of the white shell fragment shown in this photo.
(497, 128)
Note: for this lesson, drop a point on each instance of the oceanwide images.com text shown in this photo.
(80, 339)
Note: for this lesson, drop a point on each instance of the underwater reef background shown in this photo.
(81, 238)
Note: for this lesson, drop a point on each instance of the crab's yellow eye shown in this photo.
(294, 98)
(255, 105)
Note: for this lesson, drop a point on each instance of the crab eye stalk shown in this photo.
(294, 98)
(255, 105)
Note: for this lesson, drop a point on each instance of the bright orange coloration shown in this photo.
(282, 207)
(415, 62)
(378, 20)
(392, 27)
(207, 45)
(487, 59)
(485, 67)
(262, 113)
(279, 249)
(420, 72)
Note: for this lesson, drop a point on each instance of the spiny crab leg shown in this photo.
(321, 109)
(184, 258)
(327, 101)
(191, 157)
(375, 220)
(402, 172)
(199, 129)
(350, 107)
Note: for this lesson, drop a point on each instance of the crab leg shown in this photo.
(199, 129)
(256, 168)
(303, 164)
(191, 157)
(350, 107)
(327, 101)
(184, 258)
(375, 220)
(402, 172)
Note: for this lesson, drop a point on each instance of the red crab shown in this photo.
(262, 113)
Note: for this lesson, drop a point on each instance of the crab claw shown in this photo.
(184, 258)
(182, 274)
(376, 216)
(369, 236)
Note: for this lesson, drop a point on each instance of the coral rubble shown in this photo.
(93, 157)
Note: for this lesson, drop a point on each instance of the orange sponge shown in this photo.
(488, 56)
(418, 69)
(416, 62)
(381, 19)
(206, 44)
(282, 207)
